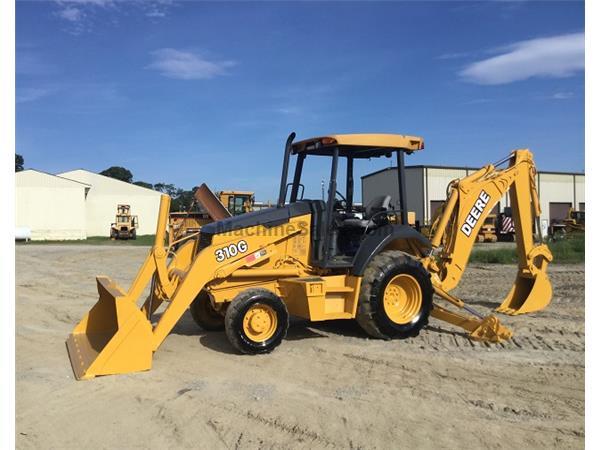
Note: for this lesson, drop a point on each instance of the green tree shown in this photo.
(168, 189)
(19, 161)
(118, 173)
(182, 201)
(144, 184)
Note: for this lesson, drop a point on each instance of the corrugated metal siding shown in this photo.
(579, 190)
(415, 192)
(555, 188)
(433, 181)
(437, 185)
(386, 183)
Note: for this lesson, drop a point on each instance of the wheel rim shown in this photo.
(402, 299)
(260, 322)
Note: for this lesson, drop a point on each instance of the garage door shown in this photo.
(558, 211)
(581, 206)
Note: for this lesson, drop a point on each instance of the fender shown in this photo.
(376, 241)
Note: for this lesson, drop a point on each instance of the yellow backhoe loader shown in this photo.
(318, 260)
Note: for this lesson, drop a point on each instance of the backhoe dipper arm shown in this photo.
(470, 200)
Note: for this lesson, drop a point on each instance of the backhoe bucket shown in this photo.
(528, 294)
(114, 336)
(532, 290)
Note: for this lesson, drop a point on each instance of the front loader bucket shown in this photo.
(113, 337)
(528, 294)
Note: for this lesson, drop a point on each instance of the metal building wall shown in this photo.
(104, 196)
(426, 184)
(579, 192)
(53, 208)
(437, 180)
(386, 182)
(559, 188)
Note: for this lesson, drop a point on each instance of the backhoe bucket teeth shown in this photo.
(528, 294)
(114, 336)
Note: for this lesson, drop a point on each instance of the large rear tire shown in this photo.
(396, 296)
(205, 315)
(256, 321)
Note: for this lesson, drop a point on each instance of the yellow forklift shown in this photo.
(125, 224)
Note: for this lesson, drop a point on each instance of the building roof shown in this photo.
(88, 175)
(433, 166)
(58, 178)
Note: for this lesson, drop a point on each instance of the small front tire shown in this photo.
(256, 321)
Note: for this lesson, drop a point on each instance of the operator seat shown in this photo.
(376, 205)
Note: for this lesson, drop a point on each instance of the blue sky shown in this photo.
(191, 92)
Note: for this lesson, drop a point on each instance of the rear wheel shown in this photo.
(205, 315)
(133, 234)
(256, 321)
(396, 296)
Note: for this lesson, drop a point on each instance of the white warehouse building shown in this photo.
(49, 207)
(426, 190)
(79, 204)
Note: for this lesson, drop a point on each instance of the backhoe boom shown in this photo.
(470, 200)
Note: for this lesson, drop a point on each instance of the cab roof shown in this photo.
(359, 145)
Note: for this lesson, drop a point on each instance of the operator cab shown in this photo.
(338, 226)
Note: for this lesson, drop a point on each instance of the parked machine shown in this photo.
(487, 232)
(573, 223)
(237, 202)
(318, 260)
(505, 227)
(125, 224)
(187, 223)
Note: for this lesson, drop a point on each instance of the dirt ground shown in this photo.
(326, 386)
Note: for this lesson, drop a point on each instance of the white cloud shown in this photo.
(81, 15)
(71, 14)
(85, 2)
(155, 13)
(455, 55)
(562, 95)
(32, 94)
(30, 63)
(555, 57)
(186, 65)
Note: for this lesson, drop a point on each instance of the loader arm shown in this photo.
(469, 202)
(118, 336)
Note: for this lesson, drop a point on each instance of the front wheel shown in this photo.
(256, 321)
(204, 314)
(396, 296)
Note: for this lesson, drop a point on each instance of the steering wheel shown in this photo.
(342, 203)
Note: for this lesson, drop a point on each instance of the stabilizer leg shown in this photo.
(480, 328)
